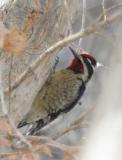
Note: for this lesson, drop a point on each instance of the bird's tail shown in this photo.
(22, 123)
(36, 126)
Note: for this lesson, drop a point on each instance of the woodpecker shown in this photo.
(61, 92)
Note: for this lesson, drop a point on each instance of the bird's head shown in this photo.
(77, 64)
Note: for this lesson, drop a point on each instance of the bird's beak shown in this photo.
(98, 65)
(76, 55)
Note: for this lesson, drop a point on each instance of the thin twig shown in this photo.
(90, 30)
(104, 10)
(83, 22)
(108, 10)
(31, 71)
(68, 16)
(9, 79)
(75, 125)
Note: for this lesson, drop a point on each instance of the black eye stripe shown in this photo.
(90, 67)
(89, 61)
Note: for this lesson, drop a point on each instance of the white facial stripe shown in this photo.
(89, 61)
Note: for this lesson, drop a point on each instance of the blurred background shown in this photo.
(100, 135)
